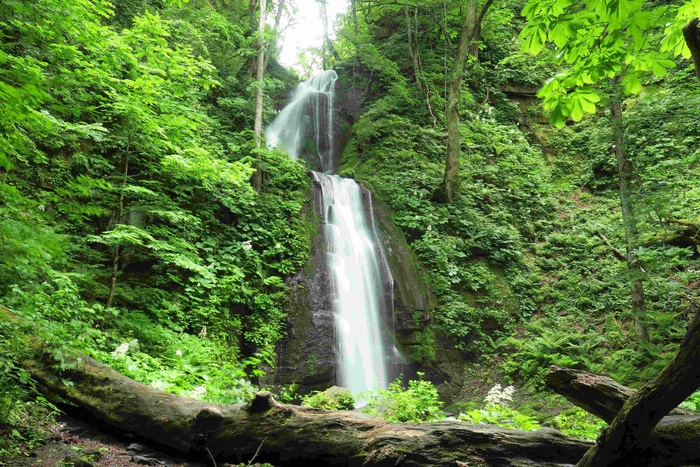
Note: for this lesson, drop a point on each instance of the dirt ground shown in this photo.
(74, 443)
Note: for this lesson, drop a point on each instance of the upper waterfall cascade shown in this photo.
(305, 126)
(358, 270)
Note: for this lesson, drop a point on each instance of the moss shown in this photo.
(688, 432)
(349, 159)
(313, 358)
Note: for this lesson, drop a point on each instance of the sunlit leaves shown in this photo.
(534, 38)
(632, 84)
(601, 39)
(581, 101)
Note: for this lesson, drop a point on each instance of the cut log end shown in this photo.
(262, 402)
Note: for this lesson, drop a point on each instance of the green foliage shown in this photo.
(578, 423)
(187, 365)
(598, 40)
(418, 402)
(25, 415)
(497, 412)
(474, 248)
(692, 402)
(126, 212)
(334, 398)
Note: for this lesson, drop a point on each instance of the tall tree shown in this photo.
(691, 33)
(259, 75)
(327, 47)
(467, 46)
(625, 169)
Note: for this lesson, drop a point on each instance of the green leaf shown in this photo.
(559, 34)
(556, 117)
(534, 39)
(632, 84)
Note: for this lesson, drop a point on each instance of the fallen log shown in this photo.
(629, 440)
(283, 433)
(602, 396)
(277, 433)
(676, 436)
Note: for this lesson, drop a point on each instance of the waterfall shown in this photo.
(357, 285)
(305, 126)
(358, 271)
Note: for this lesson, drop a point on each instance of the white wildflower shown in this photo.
(278, 246)
(178, 352)
(122, 349)
(247, 245)
(500, 396)
(203, 332)
(198, 392)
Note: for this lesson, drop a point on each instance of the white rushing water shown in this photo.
(310, 114)
(357, 285)
(354, 260)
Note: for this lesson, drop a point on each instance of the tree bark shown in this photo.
(414, 53)
(470, 33)
(259, 75)
(602, 396)
(272, 49)
(327, 43)
(629, 440)
(282, 433)
(626, 172)
(691, 33)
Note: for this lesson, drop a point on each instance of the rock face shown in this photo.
(412, 298)
(306, 356)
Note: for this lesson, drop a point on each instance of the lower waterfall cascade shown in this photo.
(359, 272)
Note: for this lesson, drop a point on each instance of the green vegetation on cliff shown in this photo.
(132, 226)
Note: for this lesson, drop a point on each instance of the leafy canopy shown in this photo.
(602, 39)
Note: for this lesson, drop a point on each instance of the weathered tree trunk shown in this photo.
(259, 74)
(470, 31)
(272, 49)
(691, 33)
(677, 436)
(233, 433)
(602, 396)
(626, 172)
(116, 254)
(629, 440)
(413, 54)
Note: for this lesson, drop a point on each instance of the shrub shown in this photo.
(333, 398)
(418, 402)
(498, 413)
(578, 423)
